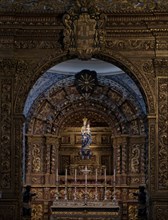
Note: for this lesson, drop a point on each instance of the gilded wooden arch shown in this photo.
(133, 71)
(36, 69)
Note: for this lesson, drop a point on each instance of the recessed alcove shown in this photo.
(54, 113)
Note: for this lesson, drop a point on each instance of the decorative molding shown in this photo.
(36, 44)
(104, 5)
(129, 45)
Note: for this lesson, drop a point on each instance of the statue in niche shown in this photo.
(86, 140)
(142, 214)
(27, 197)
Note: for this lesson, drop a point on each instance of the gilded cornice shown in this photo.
(63, 5)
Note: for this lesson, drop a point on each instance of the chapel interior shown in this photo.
(75, 68)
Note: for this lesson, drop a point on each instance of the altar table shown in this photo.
(79, 210)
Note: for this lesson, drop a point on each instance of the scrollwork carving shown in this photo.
(6, 124)
(161, 66)
(31, 44)
(161, 212)
(104, 5)
(37, 211)
(131, 44)
(36, 158)
(152, 142)
(133, 69)
(132, 212)
(162, 133)
(135, 159)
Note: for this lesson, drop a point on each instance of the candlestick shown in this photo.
(65, 184)
(114, 175)
(86, 176)
(65, 176)
(96, 175)
(57, 192)
(75, 185)
(96, 195)
(75, 175)
(105, 175)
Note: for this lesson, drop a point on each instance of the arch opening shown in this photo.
(117, 112)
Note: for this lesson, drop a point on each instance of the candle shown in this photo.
(114, 175)
(75, 175)
(105, 175)
(65, 176)
(57, 175)
(96, 175)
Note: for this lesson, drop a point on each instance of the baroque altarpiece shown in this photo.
(35, 36)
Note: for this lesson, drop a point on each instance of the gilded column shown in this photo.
(56, 146)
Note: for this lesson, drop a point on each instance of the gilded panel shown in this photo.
(37, 211)
(161, 212)
(8, 211)
(36, 153)
(18, 152)
(162, 133)
(152, 156)
(132, 212)
(6, 132)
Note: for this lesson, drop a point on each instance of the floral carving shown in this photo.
(132, 212)
(135, 159)
(104, 5)
(161, 66)
(152, 144)
(37, 211)
(6, 124)
(36, 159)
(131, 44)
(163, 133)
(161, 212)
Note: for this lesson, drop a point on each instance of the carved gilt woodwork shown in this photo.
(130, 34)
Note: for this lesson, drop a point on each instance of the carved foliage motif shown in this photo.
(135, 158)
(132, 212)
(37, 212)
(52, 5)
(36, 158)
(152, 144)
(161, 212)
(6, 124)
(148, 69)
(163, 133)
(18, 151)
(32, 44)
(161, 66)
(131, 44)
(162, 44)
(139, 75)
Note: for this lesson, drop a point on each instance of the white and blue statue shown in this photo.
(86, 140)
